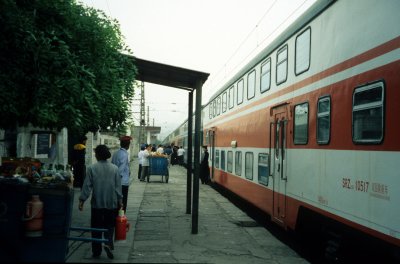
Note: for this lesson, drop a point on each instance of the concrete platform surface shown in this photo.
(161, 231)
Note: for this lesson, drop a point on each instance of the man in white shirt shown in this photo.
(140, 156)
(181, 151)
(145, 163)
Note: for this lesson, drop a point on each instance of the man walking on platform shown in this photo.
(121, 159)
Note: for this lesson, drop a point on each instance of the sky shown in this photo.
(212, 36)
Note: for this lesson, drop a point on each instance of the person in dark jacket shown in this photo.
(204, 169)
(78, 162)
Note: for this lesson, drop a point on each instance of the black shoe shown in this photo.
(108, 252)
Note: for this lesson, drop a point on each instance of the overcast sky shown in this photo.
(213, 36)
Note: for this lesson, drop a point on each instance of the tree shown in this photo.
(63, 65)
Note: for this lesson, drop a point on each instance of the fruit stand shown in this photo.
(20, 179)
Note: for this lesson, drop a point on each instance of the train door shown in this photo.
(278, 135)
(211, 142)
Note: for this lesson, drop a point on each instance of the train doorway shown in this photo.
(211, 141)
(278, 135)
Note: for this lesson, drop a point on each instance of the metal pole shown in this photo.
(189, 155)
(195, 211)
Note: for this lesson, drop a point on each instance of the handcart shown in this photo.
(159, 166)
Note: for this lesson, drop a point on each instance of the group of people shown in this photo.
(177, 156)
(108, 182)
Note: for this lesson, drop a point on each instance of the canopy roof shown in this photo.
(167, 75)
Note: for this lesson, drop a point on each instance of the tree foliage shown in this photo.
(62, 65)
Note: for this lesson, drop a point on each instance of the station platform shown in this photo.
(161, 230)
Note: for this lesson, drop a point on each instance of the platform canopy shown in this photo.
(191, 81)
(167, 75)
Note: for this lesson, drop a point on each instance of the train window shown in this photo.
(263, 170)
(265, 76)
(223, 160)
(231, 97)
(303, 52)
(214, 107)
(281, 65)
(323, 120)
(224, 102)
(240, 90)
(301, 124)
(229, 161)
(368, 113)
(238, 163)
(248, 165)
(218, 105)
(217, 159)
(251, 84)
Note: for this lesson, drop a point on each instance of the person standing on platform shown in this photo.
(204, 169)
(145, 163)
(121, 159)
(103, 183)
(78, 162)
(181, 151)
(140, 156)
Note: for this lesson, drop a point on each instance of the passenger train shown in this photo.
(309, 130)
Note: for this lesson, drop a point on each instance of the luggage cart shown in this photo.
(159, 166)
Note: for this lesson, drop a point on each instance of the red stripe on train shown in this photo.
(262, 198)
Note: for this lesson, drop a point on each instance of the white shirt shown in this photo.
(145, 158)
(140, 156)
(181, 151)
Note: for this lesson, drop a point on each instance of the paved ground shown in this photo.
(161, 230)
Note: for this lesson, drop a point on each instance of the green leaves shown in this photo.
(62, 66)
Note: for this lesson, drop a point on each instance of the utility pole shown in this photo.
(142, 114)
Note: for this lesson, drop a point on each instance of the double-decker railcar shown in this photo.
(308, 131)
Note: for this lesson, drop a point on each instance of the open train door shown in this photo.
(278, 134)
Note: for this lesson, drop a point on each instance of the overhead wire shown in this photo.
(258, 44)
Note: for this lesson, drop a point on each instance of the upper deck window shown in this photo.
(218, 105)
(214, 107)
(265, 76)
(368, 115)
(251, 84)
(224, 102)
(240, 90)
(282, 65)
(303, 51)
(231, 97)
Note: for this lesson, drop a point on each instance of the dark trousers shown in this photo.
(79, 175)
(145, 173)
(125, 189)
(140, 171)
(103, 218)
